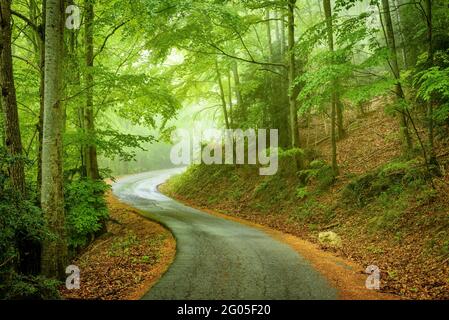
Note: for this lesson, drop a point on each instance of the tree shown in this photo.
(54, 251)
(430, 61)
(222, 95)
(334, 97)
(89, 120)
(293, 93)
(393, 61)
(12, 135)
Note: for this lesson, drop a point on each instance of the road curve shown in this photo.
(219, 259)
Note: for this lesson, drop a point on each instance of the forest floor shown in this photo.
(126, 261)
(404, 230)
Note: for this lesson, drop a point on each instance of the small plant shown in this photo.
(123, 245)
(392, 179)
(302, 192)
(318, 172)
(86, 210)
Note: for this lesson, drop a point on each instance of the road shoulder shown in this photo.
(346, 276)
(127, 261)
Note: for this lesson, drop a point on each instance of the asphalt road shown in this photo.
(220, 259)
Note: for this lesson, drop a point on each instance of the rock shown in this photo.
(329, 239)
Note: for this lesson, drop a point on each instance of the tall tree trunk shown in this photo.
(269, 37)
(54, 252)
(391, 42)
(222, 95)
(13, 141)
(41, 101)
(76, 83)
(401, 34)
(2, 124)
(91, 149)
(282, 39)
(278, 32)
(340, 122)
(294, 130)
(280, 87)
(231, 118)
(237, 85)
(430, 60)
(334, 98)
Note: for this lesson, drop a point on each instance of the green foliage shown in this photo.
(433, 84)
(393, 178)
(290, 153)
(302, 192)
(20, 221)
(312, 212)
(122, 246)
(86, 209)
(318, 172)
(20, 287)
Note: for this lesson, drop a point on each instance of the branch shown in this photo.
(29, 22)
(27, 62)
(247, 60)
(272, 71)
(107, 38)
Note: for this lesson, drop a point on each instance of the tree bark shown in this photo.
(222, 95)
(294, 130)
(238, 94)
(41, 101)
(391, 43)
(12, 135)
(334, 97)
(231, 117)
(54, 252)
(91, 149)
(430, 60)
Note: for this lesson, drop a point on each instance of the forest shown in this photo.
(358, 91)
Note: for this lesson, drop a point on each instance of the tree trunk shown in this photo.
(41, 101)
(91, 149)
(340, 122)
(222, 95)
(13, 141)
(391, 42)
(238, 94)
(430, 60)
(294, 131)
(231, 118)
(282, 39)
(269, 37)
(334, 98)
(401, 34)
(54, 252)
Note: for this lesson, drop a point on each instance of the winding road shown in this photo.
(219, 259)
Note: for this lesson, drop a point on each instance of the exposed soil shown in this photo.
(127, 261)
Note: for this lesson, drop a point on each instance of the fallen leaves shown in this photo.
(125, 262)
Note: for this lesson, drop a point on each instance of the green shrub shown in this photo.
(302, 192)
(319, 172)
(311, 211)
(392, 179)
(21, 226)
(86, 210)
(21, 287)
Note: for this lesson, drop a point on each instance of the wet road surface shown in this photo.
(216, 258)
